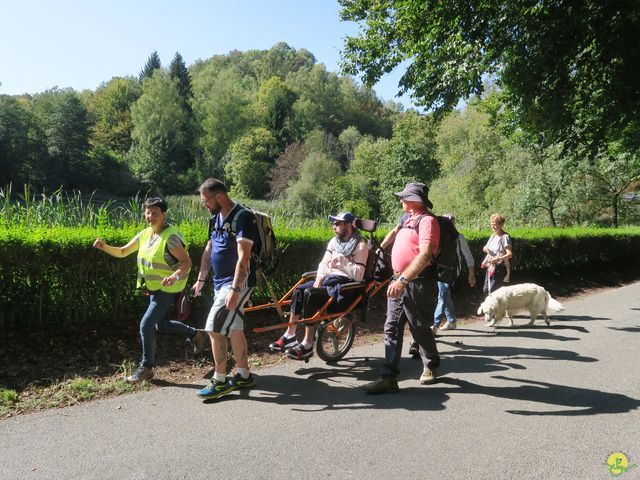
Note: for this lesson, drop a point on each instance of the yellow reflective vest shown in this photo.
(152, 267)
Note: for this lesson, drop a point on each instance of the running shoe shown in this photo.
(216, 389)
(299, 352)
(283, 343)
(240, 382)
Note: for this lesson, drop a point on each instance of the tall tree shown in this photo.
(22, 149)
(319, 100)
(179, 72)
(309, 196)
(153, 63)
(281, 59)
(468, 150)
(348, 141)
(158, 127)
(110, 108)
(608, 176)
(65, 123)
(251, 159)
(570, 67)
(222, 111)
(361, 108)
(545, 181)
(273, 104)
(321, 141)
(412, 157)
(366, 172)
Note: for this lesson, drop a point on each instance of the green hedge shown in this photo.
(55, 276)
(557, 248)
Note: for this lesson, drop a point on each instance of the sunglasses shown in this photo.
(337, 223)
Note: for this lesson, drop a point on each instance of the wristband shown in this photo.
(236, 289)
(199, 281)
(176, 277)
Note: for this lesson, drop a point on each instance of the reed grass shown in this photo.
(76, 209)
(65, 209)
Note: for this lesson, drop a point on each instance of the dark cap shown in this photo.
(342, 217)
(416, 192)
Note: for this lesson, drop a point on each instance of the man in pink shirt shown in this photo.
(411, 296)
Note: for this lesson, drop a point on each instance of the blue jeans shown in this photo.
(157, 318)
(445, 305)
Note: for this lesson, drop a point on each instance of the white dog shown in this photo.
(526, 296)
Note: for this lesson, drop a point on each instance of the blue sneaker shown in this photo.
(240, 382)
(216, 389)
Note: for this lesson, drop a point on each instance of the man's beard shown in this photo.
(214, 211)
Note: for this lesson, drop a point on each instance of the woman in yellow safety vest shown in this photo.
(163, 269)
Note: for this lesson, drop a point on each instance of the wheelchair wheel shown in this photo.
(335, 337)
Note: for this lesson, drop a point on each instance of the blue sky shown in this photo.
(81, 44)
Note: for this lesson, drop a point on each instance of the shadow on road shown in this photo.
(626, 329)
(167, 383)
(537, 332)
(467, 358)
(317, 389)
(576, 318)
(579, 401)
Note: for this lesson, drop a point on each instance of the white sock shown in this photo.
(244, 372)
(288, 335)
(307, 345)
(219, 377)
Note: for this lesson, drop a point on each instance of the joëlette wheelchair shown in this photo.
(336, 330)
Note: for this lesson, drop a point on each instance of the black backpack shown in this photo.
(381, 260)
(447, 261)
(264, 252)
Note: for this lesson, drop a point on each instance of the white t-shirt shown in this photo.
(497, 245)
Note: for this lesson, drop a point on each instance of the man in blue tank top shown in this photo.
(232, 237)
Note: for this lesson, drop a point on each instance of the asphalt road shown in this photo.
(521, 403)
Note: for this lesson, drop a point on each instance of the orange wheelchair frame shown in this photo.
(336, 330)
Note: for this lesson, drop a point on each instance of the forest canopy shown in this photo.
(276, 125)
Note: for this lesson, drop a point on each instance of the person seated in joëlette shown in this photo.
(344, 261)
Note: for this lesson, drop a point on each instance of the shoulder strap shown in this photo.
(234, 221)
(416, 226)
(503, 241)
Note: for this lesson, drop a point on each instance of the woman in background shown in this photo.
(499, 251)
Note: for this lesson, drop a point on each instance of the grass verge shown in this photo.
(62, 394)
